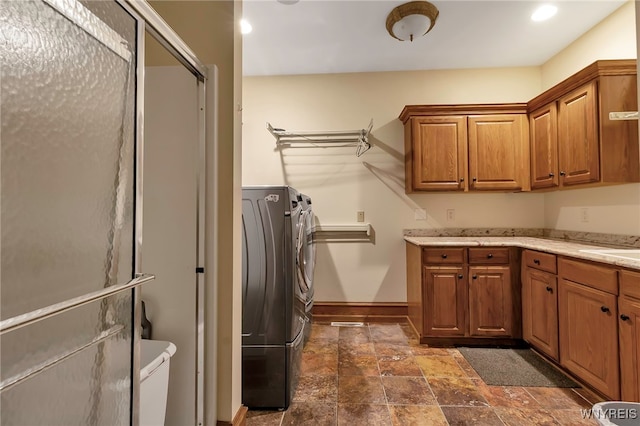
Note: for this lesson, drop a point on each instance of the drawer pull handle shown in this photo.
(460, 276)
(536, 261)
(444, 256)
(550, 289)
(604, 309)
(489, 256)
(624, 317)
(475, 277)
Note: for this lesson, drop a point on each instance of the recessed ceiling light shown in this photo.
(245, 26)
(544, 12)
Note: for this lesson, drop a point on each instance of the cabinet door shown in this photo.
(629, 321)
(589, 336)
(578, 136)
(445, 293)
(439, 153)
(498, 152)
(490, 301)
(540, 311)
(543, 125)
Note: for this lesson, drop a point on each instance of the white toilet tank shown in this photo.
(155, 356)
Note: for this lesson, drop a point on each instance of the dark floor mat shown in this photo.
(515, 367)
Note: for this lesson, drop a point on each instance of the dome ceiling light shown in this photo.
(410, 20)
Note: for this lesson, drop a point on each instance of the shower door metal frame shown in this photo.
(149, 21)
(93, 26)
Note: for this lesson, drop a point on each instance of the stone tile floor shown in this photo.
(380, 375)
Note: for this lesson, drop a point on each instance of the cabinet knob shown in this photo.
(475, 277)
(461, 179)
(604, 309)
(562, 173)
(624, 317)
(475, 179)
(489, 256)
(460, 276)
(550, 289)
(536, 261)
(444, 256)
(551, 175)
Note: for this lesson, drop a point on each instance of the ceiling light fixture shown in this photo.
(544, 12)
(410, 20)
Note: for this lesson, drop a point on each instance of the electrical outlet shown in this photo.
(360, 217)
(420, 214)
(584, 214)
(451, 215)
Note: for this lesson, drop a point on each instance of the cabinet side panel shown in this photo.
(619, 149)
(414, 286)
(408, 158)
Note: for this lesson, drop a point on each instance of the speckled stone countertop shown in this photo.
(565, 248)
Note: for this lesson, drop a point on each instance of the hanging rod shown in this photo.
(358, 138)
(623, 115)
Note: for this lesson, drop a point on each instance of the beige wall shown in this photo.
(210, 29)
(613, 209)
(341, 183)
(613, 38)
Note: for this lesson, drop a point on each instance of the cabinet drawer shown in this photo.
(488, 255)
(630, 284)
(539, 260)
(590, 274)
(443, 255)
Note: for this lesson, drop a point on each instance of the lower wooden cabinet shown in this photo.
(540, 310)
(629, 335)
(445, 298)
(463, 293)
(490, 301)
(589, 336)
(584, 315)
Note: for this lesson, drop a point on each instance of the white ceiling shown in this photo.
(329, 36)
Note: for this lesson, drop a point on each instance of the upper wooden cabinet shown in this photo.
(543, 125)
(466, 147)
(573, 140)
(498, 152)
(439, 160)
(568, 138)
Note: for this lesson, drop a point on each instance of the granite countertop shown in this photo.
(565, 248)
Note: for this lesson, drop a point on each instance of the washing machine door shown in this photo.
(306, 252)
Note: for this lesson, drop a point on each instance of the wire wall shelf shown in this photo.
(344, 138)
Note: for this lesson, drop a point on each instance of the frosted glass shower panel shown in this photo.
(67, 86)
(71, 369)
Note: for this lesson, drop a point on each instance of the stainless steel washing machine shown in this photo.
(273, 312)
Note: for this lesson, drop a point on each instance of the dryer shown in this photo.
(306, 258)
(273, 314)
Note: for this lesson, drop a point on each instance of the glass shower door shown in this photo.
(67, 212)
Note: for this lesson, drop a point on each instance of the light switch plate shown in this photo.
(360, 216)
